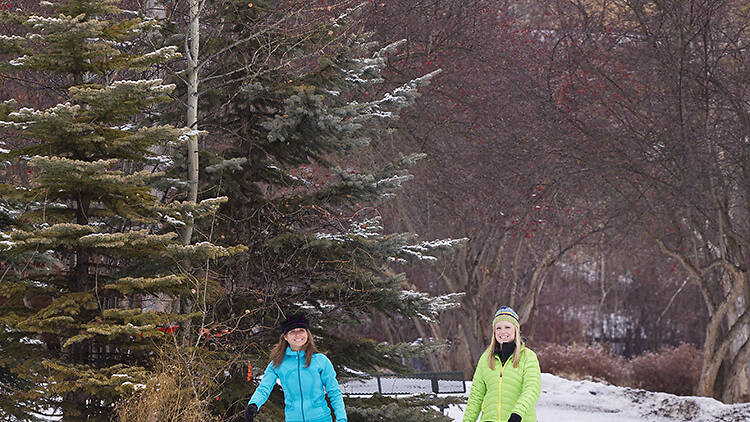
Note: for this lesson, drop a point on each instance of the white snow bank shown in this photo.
(584, 401)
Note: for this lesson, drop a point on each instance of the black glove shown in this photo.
(514, 417)
(251, 411)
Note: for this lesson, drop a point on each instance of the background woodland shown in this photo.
(178, 176)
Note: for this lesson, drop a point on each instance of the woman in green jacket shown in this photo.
(507, 381)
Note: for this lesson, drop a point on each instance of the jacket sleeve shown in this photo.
(476, 394)
(328, 376)
(531, 386)
(264, 388)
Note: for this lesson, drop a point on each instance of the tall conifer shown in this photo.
(91, 260)
(297, 105)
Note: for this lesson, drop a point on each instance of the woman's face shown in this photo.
(297, 338)
(505, 332)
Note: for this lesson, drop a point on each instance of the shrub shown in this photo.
(583, 362)
(671, 370)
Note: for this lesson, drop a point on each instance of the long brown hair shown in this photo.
(494, 345)
(278, 352)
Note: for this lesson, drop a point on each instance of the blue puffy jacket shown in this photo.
(304, 393)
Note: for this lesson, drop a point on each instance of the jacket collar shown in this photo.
(506, 351)
(290, 352)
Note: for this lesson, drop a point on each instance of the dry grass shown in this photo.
(179, 391)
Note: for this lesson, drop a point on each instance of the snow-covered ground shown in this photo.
(584, 401)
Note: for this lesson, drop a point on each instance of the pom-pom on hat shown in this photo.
(506, 313)
(295, 321)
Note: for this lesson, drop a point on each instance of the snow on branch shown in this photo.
(41, 21)
(429, 307)
(176, 211)
(348, 13)
(11, 38)
(19, 61)
(162, 54)
(390, 48)
(154, 85)
(366, 229)
(390, 103)
(160, 160)
(147, 25)
(14, 125)
(423, 250)
(29, 114)
(188, 133)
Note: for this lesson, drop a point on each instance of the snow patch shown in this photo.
(563, 400)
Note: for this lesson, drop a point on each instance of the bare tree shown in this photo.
(495, 170)
(659, 91)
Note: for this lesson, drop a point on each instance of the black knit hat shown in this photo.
(295, 321)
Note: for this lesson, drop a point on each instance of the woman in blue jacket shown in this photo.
(306, 377)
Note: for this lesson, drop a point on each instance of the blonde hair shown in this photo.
(494, 345)
(278, 352)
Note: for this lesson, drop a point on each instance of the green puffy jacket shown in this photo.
(498, 393)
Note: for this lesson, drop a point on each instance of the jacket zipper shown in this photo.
(500, 388)
(499, 391)
(301, 397)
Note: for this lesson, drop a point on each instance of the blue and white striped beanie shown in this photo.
(506, 313)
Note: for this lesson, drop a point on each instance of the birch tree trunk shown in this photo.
(193, 49)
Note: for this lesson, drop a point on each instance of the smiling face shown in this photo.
(505, 332)
(297, 338)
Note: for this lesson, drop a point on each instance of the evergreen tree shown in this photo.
(290, 137)
(17, 351)
(90, 255)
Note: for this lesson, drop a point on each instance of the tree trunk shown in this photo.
(83, 255)
(722, 333)
(192, 112)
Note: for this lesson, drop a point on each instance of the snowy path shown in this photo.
(584, 401)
